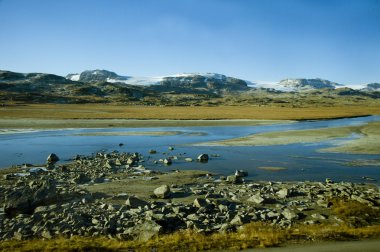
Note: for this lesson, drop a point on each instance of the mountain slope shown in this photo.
(308, 84)
(102, 86)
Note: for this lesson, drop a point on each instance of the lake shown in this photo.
(301, 161)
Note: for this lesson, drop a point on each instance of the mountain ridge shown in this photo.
(188, 89)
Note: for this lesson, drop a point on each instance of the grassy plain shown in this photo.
(104, 111)
(104, 115)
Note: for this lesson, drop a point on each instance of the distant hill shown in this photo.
(208, 81)
(308, 84)
(180, 89)
(373, 87)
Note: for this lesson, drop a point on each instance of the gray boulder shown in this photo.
(134, 202)
(52, 158)
(289, 215)
(25, 200)
(162, 192)
(168, 161)
(145, 231)
(256, 199)
(203, 158)
(241, 173)
(234, 179)
(283, 193)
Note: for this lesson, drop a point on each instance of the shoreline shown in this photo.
(366, 142)
(112, 197)
(33, 123)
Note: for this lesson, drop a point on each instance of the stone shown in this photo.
(134, 202)
(234, 179)
(171, 148)
(199, 202)
(203, 158)
(162, 192)
(241, 173)
(168, 161)
(237, 220)
(323, 203)
(81, 178)
(25, 200)
(118, 162)
(289, 215)
(283, 193)
(146, 230)
(318, 216)
(52, 158)
(329, 181)
(46, 234)
(152, 151)
(256, 199)
(188, 159)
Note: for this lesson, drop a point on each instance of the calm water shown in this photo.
(302, 161)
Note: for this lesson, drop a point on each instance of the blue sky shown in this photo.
(269, 40)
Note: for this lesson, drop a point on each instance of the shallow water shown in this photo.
(302, 161)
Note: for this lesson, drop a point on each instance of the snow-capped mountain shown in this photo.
(215, 80)
(308, 84)
(372, 87)
(184, 80)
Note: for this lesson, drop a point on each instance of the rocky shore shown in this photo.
(115, 195)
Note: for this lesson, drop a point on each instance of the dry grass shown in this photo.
(346, 209)
(252, 235)
(103, 111)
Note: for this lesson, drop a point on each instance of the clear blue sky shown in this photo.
(337, 40)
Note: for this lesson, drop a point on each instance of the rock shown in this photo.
(237, 220)
(167, 161)
(134, 202)
(198, 203)
(188, 159)
(9, 176)
(46, 234)
(110, 164)
(362, 200)
(241, 173)
(256, 199)
(203, 158)
(162, 192)
(52, 158)
(289, 215)
(318, 216)
(118, 162)
(171, 148)
(329, 181)
(37, 170)
(25, 200)
(145, 231)
(283, 193)
(234, 179)
(323, 203)
(81, 178)
(152, 151)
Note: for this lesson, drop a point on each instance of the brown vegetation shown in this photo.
(252, 235)
(103, 111)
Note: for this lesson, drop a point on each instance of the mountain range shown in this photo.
(185, 89)
(286, 85)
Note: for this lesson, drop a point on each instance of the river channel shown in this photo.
(292, 162)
